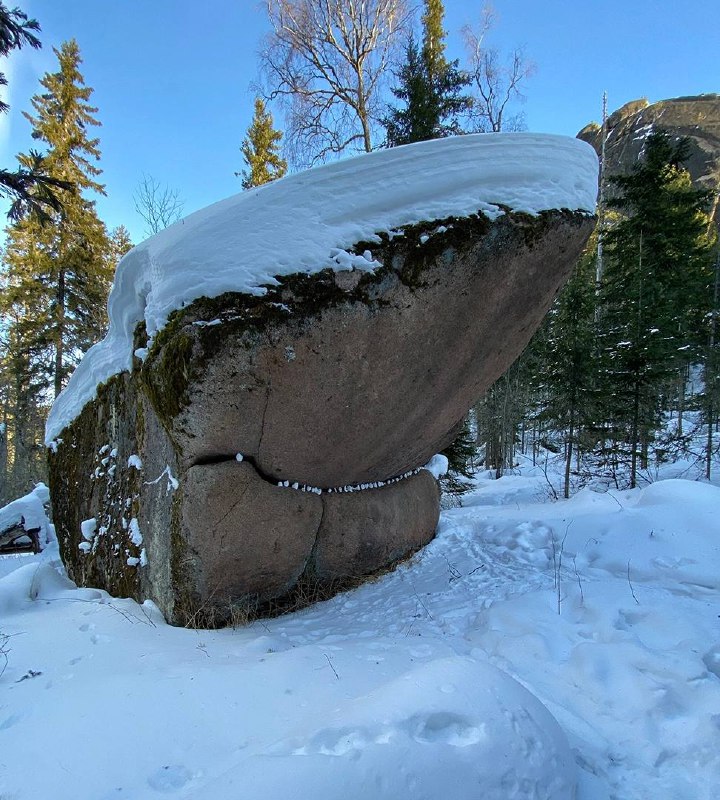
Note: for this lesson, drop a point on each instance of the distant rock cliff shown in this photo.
(698, 118)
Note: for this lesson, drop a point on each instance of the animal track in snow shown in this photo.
(434, 728)
(626, 619)
(8, 722)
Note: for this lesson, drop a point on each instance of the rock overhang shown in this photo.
(307, 222)
(302, 381)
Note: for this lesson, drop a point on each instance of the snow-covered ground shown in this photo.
(439, 680)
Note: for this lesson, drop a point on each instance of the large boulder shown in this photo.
(327, 382)
(267, 449)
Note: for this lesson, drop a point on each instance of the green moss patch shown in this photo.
(89, 478)
(166, 374)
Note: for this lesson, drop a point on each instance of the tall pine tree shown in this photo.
(56, 272)
(430, 87)
(62, 269)
(433, 49)
(260, 150)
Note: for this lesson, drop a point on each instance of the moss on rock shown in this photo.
(90, 479)
(167, 372)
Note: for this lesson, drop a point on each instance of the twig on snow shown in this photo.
(632, 591)
(331, 665)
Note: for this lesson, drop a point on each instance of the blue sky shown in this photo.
(173, 78)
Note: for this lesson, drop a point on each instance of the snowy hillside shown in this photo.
(306, 221)
(436, 681)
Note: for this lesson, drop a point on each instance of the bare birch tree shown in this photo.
(324, 61)
(497, 81)
(158, 205)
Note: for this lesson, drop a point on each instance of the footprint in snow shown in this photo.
(170, 778)
(444, 727)
(626, 619)
(8, 722)
(87, 626)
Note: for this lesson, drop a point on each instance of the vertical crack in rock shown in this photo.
(225, 531)
(262, 427)
(307, 570)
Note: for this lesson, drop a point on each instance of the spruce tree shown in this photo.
(415, 122)
(58, 275)
(119, 243)
(429, 87)
(460, 454)
(653, 295)
(567, 375)
(433, 49)
(260, 150)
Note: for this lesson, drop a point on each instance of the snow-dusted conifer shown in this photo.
(261, 150)
(655, 293)
(428, 85)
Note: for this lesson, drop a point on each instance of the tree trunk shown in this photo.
(4, 498)
(681, 398)
(59, 332)
(634, 435)
(569, 453)
(709, 443)
(710, 376)
(535, 443)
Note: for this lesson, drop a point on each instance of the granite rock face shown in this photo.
(327, 385)
(270, 448)
(697, 118)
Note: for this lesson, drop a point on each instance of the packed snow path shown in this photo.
(604, 607)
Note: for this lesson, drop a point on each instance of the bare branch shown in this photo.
(323, 62)
(497, 82)
(158, 205)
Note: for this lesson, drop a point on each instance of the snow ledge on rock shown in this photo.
(301, 222)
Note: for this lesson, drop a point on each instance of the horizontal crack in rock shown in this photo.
(299, 486)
